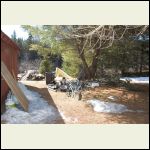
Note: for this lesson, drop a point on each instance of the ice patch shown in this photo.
(39, 110)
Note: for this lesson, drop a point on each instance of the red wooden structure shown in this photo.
(9, 55)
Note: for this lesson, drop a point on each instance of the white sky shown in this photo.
(9, 29)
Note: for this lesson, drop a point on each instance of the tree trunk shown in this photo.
(141, 61)
(123, 71)
(89, 72)
(85, 73)
(86, 69)
(93, 67)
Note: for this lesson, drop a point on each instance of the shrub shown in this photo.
(45, 66)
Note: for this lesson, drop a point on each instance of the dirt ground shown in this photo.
(79, 112)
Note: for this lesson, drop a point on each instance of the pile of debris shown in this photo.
(60, 81)
(71, 87)
(31, 75)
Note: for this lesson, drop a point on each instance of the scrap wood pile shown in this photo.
(31, 75)
(61, 81)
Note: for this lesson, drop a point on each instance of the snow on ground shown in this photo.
(108, 107)
(39, 110)
(113, 98)
(92, 84)
(144, 80)
(68, 119)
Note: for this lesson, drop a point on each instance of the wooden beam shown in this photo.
(14, 75)
(14, 86)
(61, 73)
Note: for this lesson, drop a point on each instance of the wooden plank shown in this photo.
(14, 75)
(61, 73)
(14, 86)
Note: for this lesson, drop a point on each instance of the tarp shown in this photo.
(61, 73)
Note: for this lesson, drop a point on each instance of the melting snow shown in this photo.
(39, 110)
(68, 119)
(136, 79)
(113, 98)
(108, 107)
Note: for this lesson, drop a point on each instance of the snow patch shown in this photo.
(92, 84)
(144, 80)
(113, 98)
(108, 107)
(39, 110)
(68, 119)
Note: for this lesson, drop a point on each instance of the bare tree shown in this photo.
(94, 38)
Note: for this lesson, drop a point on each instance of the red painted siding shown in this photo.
(9, 55)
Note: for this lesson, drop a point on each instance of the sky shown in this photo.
(9, 29)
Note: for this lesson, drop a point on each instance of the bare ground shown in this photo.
(79, 112)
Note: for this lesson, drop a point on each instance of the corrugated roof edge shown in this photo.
(10, 42)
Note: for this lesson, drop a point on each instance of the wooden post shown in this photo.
(14, 86)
